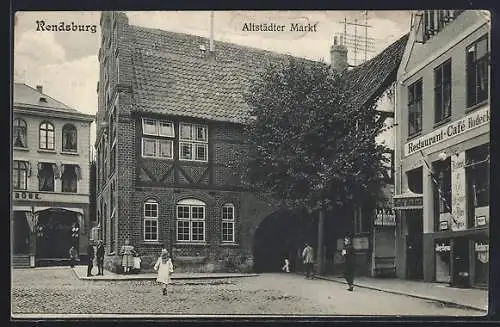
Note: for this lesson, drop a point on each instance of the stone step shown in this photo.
(21, 261)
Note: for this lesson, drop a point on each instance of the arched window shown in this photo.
(19, 133)
(150, 216)
(46, 136)
(69, 139)
(191, 220)
(228, 223)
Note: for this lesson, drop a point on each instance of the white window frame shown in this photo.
(150, 218)
(193, 142)
(228, 221)
(157, 154)
(191, 203)
(158, 124)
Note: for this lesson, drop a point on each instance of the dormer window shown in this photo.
(157, 140)
(435, 20)
(193, 142)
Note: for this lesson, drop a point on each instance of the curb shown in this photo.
(139, 277)
(422, 297)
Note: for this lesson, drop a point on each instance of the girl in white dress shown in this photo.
(164, 267)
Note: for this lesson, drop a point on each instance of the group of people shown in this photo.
(348, 254)
(92, 254)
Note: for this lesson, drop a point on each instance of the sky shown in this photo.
(66, 63)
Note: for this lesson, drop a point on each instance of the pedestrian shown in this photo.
(90, 262)
(72, 256)
(307, 256)
(127, 252)
(349, 262)
(164, 267)
(286, 267)
(100, 258)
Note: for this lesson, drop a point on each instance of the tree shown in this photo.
(308, 146)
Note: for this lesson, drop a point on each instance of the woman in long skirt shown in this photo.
(164, 267)
(127, 252)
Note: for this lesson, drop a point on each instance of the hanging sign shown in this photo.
(443, 246)
(409, 202)
(482, 251)
(471, 121)
(385, 217)
(458, 200)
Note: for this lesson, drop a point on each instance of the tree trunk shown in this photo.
(321, 257)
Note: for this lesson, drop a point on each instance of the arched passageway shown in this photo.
(279, 236)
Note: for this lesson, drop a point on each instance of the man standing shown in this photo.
(90, 253)
(349, 262)
(307, 256)
(100, 257)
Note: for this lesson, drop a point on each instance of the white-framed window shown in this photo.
(158, 142)
(150, 215)
(47, 136)
(157, 127)
(228, 217)
(191, 220)
(193, 142)
(157, 148)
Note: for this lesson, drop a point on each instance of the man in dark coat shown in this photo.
(100, 257)
(349, 262)
(90, 264)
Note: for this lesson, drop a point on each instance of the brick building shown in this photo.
(442, 175)
(170, 114)
(50, 176)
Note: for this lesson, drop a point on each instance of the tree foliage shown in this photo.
(308, 146)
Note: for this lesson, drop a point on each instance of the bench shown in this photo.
(385, 266)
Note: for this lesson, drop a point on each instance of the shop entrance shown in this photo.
(414, 246)
(461, 254)
(54, 235)
(20, 233)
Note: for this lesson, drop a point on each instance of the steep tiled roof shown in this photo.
(26, 95)
(373, 77)
(171, 76)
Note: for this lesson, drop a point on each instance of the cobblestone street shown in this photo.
(59, 291)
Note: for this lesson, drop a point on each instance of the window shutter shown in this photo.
(78, 172)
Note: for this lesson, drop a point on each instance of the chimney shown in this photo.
(211, 46)
(39, 88)
(338, 55)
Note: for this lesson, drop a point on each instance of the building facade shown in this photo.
(50, 178)
(442, 152)
(170, 118)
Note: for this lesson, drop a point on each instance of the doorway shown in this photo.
(20, 233)
(55, 235)
(414, 245)
(461, 252)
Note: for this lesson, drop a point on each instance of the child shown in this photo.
(164, 267)
(286, 267)
(72, 256)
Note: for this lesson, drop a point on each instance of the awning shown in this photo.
(21, 208)
(78, 211)
(408, 201)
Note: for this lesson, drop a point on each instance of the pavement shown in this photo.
(468, 298)
(81, 273)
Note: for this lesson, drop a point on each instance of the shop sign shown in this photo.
(385, 217)
(471, 121)
(361, 243)
(25, 195)
(443, 247)
(443, 225)
(482, 251)
(481, 221)
(458, 200)
(413, 202)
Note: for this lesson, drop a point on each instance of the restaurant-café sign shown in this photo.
(25, 195)
(469, 122)
(409, 202)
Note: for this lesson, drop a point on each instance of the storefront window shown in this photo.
(441, 183)
(442, 249)
(478, 185)
(415, 182)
